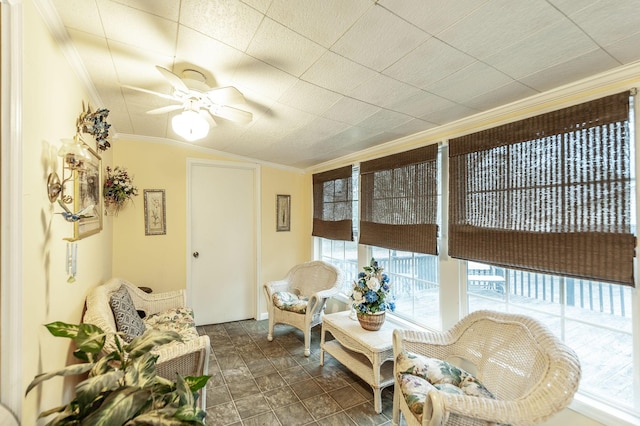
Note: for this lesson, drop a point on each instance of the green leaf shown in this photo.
(190, 414)
(69, 370)
(150, 339)
(119, 407)
(162, 417)
(183, 392)
(90, 338)
(142, 371)
(196, 382)
(63, 329)
(88, 390)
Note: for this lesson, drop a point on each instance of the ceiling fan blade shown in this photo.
(175, 81)
(165, 109)
(151, 92)
(210, 119)
(225, 95)
(233, 114)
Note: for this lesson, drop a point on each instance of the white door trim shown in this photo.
(11, 202)
(258, 237)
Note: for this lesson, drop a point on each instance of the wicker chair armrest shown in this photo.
(170, 352)
(421, 341)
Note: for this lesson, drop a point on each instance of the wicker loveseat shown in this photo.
(165, 311)
(490, 368)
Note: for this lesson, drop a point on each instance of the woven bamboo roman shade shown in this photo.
(399, 201)
(548, 194)
(332, 204)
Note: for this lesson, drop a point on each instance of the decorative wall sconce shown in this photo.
(74, 155)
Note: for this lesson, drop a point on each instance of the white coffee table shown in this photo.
(363, 352)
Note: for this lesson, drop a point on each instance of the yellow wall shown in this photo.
(159, 261)
(52, 100)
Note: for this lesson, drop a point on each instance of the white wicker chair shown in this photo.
(315, 280)
(532, 374)
(189, 358)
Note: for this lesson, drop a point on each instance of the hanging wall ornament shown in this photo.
(95, 123)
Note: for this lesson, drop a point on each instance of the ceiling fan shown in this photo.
(197, 100)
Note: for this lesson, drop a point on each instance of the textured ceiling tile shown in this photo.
(382, 90)
(420, 104)
(379, 39)
(220, 61)
(321, 21)
(552, 46)
(384, 119)
(350, 111)
(625, 50)
(284, 49)
(447, 115)
(569, 7)
(500, 96)
(607, 24)
(350, 135)
(474, 80)
(430, 62)
(337, 73)
(136, 67)
(309, 97)
(573, 70)
(261, 5)
(411, 127)
(497, 24)
(80, 15)
(433, 16)
(169, 9)
(262, 78)
(141, 29)
(229, 21)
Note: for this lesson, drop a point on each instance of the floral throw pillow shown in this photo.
(291, 302)
(127, 319)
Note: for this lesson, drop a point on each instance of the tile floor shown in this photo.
(257, 382)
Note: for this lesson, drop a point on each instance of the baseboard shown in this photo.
(263, 316)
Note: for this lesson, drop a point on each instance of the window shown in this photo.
(414, 283)
(593, 318)
(340, 253)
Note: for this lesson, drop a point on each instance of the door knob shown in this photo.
(196, 254)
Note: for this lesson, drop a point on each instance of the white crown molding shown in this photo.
(603, 84)
(205, 150)
(61, 36)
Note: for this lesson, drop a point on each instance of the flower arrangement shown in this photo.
(118, 187)
(371, 292)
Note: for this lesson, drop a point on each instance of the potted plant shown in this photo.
(122, 387)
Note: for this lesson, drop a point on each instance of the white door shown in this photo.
(222, 245)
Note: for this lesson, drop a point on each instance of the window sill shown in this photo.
(602, 412)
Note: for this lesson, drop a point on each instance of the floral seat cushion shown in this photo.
(179, 320)
(291, 302)
(418, 375)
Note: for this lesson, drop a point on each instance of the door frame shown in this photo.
(191, 162)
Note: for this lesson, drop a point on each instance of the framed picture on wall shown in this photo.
(88, 192)
(155, 220)
(283, 213)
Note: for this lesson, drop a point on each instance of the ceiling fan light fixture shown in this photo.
(190, 125)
